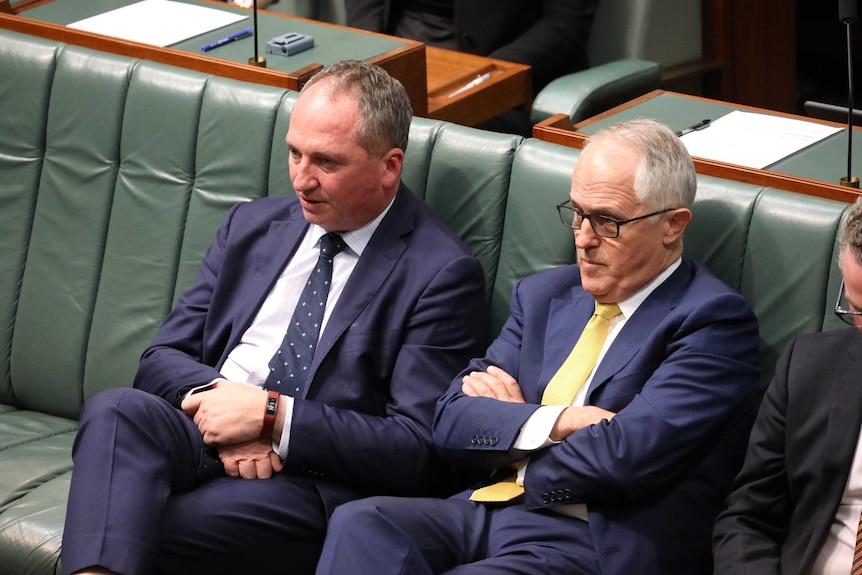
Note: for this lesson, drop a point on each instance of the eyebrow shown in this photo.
(602, 212)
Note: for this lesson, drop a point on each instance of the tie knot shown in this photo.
(607, 310)
(331, 245)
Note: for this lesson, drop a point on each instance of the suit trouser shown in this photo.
(137, 503)
(421, 536)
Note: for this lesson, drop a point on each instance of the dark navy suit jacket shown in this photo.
(409, 318)
(802, 446)
(681, 377)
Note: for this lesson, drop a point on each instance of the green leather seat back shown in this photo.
(467, 185)
(131, 188)
(417, 158)
(61, 276)
(534, 238)
(786, 273)
(30, 62)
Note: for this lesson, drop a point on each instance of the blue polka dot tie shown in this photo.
(288, 368)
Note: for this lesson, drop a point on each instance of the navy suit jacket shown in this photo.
(549, 35)
(779, 514)
(681, 376)
(409, 318)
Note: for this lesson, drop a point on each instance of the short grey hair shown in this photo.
(665, 176)
(850, 236)
(384, 108)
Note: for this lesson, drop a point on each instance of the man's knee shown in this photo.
(358, 512)
(111, 403)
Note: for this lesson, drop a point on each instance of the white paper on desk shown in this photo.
(754, 140)
(157, 22)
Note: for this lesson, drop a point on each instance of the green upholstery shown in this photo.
(115, 174)
(631, 42)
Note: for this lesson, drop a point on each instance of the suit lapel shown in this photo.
(842, 392)
(276, 249)
(376, 263)
(841, 397)
(638, 327)
(568, 318)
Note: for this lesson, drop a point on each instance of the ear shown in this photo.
(392, 162)
(677, 221)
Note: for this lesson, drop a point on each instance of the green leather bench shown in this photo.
(115, 173)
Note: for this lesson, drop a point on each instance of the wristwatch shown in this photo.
(269, 413)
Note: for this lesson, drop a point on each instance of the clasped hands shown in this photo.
(497, 384)
(229, 416)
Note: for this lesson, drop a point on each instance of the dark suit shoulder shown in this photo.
(691, 276)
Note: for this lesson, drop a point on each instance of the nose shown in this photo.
(586, 237)
(302, 176)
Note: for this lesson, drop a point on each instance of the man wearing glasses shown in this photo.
(796, 504)
(613, 408)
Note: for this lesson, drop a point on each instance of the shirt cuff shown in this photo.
(536, 431)
(282, 446)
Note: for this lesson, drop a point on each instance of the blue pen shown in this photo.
(245, 33)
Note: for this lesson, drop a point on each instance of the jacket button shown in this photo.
(545, 498)
(494, 441)
(467, 41)
(474, 440)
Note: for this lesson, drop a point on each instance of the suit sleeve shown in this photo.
(750, 531)
(705, 378)
(371, 15)
(690, 377)
(479, 432)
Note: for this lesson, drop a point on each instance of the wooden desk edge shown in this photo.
(558, 129)
(406, 62)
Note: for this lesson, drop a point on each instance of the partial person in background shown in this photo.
(796, 505)
(549, 35)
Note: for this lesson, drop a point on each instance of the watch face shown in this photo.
(271, 405)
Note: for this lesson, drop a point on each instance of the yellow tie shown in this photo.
(566, 383)
(562, 389)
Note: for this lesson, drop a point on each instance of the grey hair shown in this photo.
(850, 236)
(384, 108)
(665, 176)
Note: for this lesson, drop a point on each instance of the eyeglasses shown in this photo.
(848, 316)
(603, 226)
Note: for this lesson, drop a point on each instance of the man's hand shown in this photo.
(494, 383)
(253, 459)
(230, 413)
(574, 418)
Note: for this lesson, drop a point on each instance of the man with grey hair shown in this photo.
(796, 504)
(613, 408)
(253, 418)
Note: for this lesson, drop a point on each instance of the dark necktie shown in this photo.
(288, 368)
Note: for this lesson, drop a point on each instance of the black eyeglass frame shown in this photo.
(604, 220)
(846, 315)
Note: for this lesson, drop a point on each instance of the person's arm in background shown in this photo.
(371, 15)
(555, 44)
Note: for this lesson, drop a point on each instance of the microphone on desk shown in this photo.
(847, 15)
(256, 60)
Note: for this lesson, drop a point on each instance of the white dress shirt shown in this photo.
(836, 555)
(248, 362)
